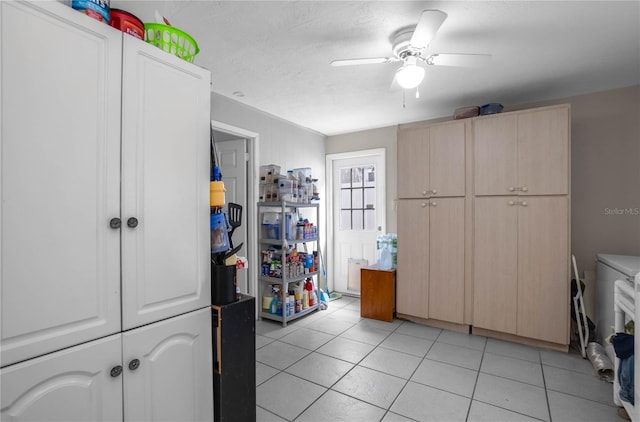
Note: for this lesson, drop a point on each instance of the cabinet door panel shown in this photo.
(543, 151)
(412, 283)
(543, 265)
(60, 160)
(173, 381)
(495, 155)
(495, 255)
(446, 259)
(446, 159)
(165, 178)
(71, 385)
(413, 163)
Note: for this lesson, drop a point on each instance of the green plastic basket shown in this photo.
(172, 40)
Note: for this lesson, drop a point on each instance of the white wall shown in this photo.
(280, 142)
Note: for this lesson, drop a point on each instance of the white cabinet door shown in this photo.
(60, 160)
(74, 384)
(173, 380)
(165, 185)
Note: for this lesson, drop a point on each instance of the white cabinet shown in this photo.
(74, 384)
(104, 222)
(165, 185)
(64, 181)
(60, 162)
(161, 369)
(174, 379)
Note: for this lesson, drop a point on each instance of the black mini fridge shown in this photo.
(234, 360)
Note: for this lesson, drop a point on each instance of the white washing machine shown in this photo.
(610, 268)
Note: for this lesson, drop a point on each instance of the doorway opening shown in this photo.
(238, 154)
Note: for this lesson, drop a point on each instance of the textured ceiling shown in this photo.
(277, 53)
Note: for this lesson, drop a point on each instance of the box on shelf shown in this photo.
(269, 173)
(303, 174)
(271, 225)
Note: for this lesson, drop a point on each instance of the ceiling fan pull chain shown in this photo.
(403, 103)
(417, 93)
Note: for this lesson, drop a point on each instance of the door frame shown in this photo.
(253, 171)
(380, 185)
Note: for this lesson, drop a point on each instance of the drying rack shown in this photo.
(626, 294)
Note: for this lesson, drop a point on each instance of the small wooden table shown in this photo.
(377, 293)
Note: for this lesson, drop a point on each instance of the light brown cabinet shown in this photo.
(522, 153)
(521, 223)
(431, 258)
(432, 160)
(520, 266)
(495, 256)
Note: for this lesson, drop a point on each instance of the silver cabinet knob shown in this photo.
(433, 204)
(511, 203)
(511, 189)
(524, 189)
(423, 205)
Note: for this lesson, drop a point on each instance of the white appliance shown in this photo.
(610, 268)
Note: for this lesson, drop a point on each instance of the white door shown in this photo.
(232, 157)
(165, 185)
(168, 370)
(358, 199)
(80, 384)
(60, 179)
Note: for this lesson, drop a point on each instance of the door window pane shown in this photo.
(370, 198)
(370, 220)
(345, 178)
(356, 198)
(358, 222)
(369, 176)
(345, 220)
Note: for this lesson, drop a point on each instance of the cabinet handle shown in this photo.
(434, 191)
(116, 371)
(524, 189)
(433, 204)
(132, 222)
(511, 189)
(524, 203)
(134, 364)
(424, 192)
(115, 223)
(511, 203)
(424, 204)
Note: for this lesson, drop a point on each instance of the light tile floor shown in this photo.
(334, 365)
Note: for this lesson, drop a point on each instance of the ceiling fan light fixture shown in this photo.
(410, 75)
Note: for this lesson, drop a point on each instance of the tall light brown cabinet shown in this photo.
(431, 221)
(521, 224)
(491, 252)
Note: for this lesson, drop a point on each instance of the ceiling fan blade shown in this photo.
(428, 25)
(463, 60)
(353, 62)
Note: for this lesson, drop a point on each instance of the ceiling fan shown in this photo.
(409, 45)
